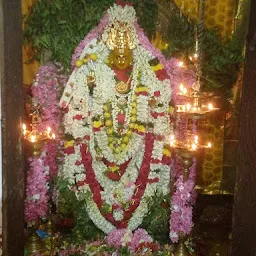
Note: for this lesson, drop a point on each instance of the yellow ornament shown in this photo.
(166, 152)
(108, 123)
(105, 107)
(85, 60)
(126, 139)
(134, 104)
(131, 125)
(134, 111)
(107, 115)
(157, 67)
(133, 118)
(93, 56)
(79, 63)
(97, 124)
(111, 145)
(129, 133)
(171, 109)
(123, 146)
(110, 131)
(69, 143)
(141, 128)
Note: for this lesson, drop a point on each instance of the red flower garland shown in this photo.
(141, 182)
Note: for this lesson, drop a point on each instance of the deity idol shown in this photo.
(116, 103)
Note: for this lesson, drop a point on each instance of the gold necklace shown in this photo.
(123, 87)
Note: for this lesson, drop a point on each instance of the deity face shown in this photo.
(121, 58)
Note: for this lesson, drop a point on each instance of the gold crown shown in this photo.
(120, 36)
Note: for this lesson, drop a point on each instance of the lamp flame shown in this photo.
(180, 64)
(210, 106)
(194, 146)
(33, 138)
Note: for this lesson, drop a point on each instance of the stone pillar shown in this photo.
(12, 106)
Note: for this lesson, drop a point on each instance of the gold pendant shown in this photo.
(122, 87)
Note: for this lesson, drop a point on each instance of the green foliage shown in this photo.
(221, 58)
(69, 206)
(58, 26)
(156, 222)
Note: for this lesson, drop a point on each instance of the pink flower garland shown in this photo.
(36, 191)
(123, 237)
(45, 91)
(181, 205)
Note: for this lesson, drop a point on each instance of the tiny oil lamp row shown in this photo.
(190, 145)
(35, 136)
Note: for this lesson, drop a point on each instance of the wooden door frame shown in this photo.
(244, 212)
(12, 114)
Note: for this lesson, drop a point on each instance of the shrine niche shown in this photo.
(113, 138)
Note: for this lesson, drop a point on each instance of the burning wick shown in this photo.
(172, 139)
(181, 87)
(210, 106)
(196, 139)
(33, 138)
(194, 146)
(24, 129)
(180, 64)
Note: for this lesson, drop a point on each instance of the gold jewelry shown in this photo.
(123, 87)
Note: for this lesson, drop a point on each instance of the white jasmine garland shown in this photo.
(158, 149)
(84, 108)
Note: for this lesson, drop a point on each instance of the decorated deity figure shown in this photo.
(116, 104)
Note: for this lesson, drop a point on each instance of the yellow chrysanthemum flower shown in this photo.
(166, 152)
(141, 128)
(157, 67)
(97, 124)
(171, 109)
(69, 143)
(114, 168)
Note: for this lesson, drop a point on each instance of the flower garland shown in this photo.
(36, 191)
(45, 91)
(181, 206)
(126, 173)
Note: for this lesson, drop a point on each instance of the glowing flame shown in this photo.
(48, 129)
(180, 64)
(194, 146)
(172, 140)
(209, 145)
(188, 107)
(24, 127)
(210, 106)
(185, 91)
(33, 138)
(195, 55)
(196, 139)
(53, 136)
(181, 87)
